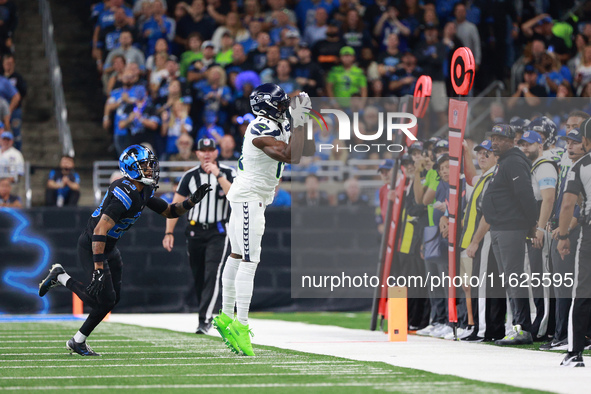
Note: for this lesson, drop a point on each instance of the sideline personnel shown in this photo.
(509, 206)
(207, 240)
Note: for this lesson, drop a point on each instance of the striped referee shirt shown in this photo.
(214, 207)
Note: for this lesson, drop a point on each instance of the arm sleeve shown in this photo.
(157, 204)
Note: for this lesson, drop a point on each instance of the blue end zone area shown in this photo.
(35, 318)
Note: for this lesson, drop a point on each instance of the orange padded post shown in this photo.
(397, 314)
(77, 305)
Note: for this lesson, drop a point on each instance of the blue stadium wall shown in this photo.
(154, 280)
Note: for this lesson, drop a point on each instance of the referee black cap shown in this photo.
(206, 143)
(586, 128)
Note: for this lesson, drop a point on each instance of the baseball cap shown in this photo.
(486, 144)
(504, 130)
(585, 128)
(531, 137)
(206, 143)
(304, 44)
(416, 146)
(387, 164)
(441, 144)
(347, 50)
(207, 44)
(574, 134)
(529, 68)
(7, 134)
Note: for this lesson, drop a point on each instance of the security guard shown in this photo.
(207, 241)
(578, 181)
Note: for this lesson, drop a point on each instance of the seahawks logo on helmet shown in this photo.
(136, 162)
(269, 100)
(544, 126)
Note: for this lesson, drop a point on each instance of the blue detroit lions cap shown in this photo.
(486, 144)
(531, 137)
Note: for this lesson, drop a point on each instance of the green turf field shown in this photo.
(33, 358)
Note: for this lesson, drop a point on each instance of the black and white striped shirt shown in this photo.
(214, 207)
(578, 181)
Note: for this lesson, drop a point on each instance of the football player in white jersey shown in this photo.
(268, 143)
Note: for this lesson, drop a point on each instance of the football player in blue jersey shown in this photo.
(122, 205)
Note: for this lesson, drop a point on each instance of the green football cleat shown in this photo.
(221, 323)
(241, 334)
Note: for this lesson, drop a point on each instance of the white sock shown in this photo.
(228, 286)
(79, 337)
(63, 278)
(244, 287)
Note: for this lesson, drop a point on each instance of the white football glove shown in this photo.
(300, 110)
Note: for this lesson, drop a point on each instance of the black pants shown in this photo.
(71, 199)
(207, 251)
(580, 313)
(109, 296)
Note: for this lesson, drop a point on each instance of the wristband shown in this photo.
(99, 238)
(563, 237)
(541, 229)
(187, 204)
(98, 258)
(220, 175)
(168, 234)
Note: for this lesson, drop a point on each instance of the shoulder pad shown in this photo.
(262, 128)
(123, 189)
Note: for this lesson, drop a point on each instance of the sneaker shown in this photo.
(516, 337)
(81, 348)
(221, 323)
(468, 331)
(473, 338)
(241, 335)
(573, 359)
(203, 328)
(442, 331)
(451, 335)
(427, 330)
(555, 345)
(50, 280)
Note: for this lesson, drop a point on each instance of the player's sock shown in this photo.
(79, 337)
(63, 278)
(229, 287)
(244, 287)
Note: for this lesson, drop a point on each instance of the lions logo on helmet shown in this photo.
(270, 100)
(135, 161)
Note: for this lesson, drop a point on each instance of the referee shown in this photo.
(207, 241)
(578, 181)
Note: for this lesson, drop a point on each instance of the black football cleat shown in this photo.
(573, 359)
(203, 328)
(81, 348)
(50, 280)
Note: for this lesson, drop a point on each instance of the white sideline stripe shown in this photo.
(162, 365)
(122, 359)
(94, 340)
(102, 346)
(198, 386)
(56, 353)
(201, 375)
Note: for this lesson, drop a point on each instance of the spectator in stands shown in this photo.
(196, 20)
(355, 33)
(255, 26)
(541, 27)
(549, 74)
(467, 32)
(326, 51)
(5, 115)
(7, 199)
(280, 21)
(224, 55)
(192, 54)
(233, 27)
(583, 71)
(131, 53)
(114, 78)
(215, 94)
(161, 47)
(273, 57)
(390, 58)
(284, 79)
(228, 149)
(313, 196)
(388, 24)
(158, 73)
(251, 11)
(186, 152)
(12, 163)
(108, 38)
(347, 79)
(210, 128)
(140, 120)
(290, 41)
(9, 93)
(529, 90)
(352, 194)
(8, 23)
(317, 31)
(157, 26)
(307, 72)
(63, 185)
(239, 60)
(257, 57)
(197, 70)
(105, 19)
(174, 124)
(15, 113)
(403, 80)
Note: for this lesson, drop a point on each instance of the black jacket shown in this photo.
(509, 202)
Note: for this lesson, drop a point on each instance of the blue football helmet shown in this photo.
(546, 127)
(270, 100)
(137, 159)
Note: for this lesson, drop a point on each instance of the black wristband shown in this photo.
(99, 238)
(98, 258)
(187, 204)
(563, 237)
(168, 234)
